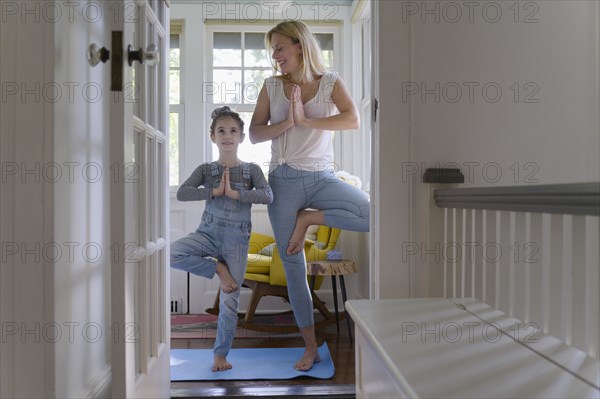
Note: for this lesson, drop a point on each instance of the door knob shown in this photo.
(95, 55)
(150, 55)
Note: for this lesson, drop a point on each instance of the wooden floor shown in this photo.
(340, 386)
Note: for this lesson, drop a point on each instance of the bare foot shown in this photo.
(227, 283)
(296, 244)
(308, 359)
(221, 363)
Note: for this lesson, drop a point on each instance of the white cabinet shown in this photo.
(437, 348)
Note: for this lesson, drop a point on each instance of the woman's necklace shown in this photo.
(287, 79)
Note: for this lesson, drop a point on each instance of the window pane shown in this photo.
(174, 51)
(259, 153)
(255, 54)
(227, 58)
(227, 40)
(254, 41)
(227, 86)
(328, 59)
(174, 149)
(325, 40)
(227, 49)
(256, 58)
(174, 92)
(253, 82)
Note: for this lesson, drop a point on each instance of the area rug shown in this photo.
(248, 364)
(204, 326)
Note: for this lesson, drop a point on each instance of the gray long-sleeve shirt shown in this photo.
(200, 184)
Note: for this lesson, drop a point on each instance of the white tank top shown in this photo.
(299, 147)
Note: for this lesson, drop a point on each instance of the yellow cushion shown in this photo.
(258, 264)
(323, 234)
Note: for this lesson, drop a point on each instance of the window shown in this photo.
(238, 65)
(176, 110)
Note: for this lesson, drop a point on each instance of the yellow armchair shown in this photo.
(265, 275)
(268, 267)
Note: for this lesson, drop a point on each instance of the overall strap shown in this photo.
(246, 171)
(214, 169)
(246, 176)
(216, 176)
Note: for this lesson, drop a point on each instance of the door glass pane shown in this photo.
(133, 89)
(133, 332)
(162, 335)
(161, 12)
(132, 176)
(151, 78)
(162, 81)
(150, 187)
(227, 49)
(149, 308)
(153, 4)
(160, 200)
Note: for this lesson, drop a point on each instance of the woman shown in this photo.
(299, 110)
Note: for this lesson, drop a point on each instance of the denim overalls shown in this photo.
(223, 234)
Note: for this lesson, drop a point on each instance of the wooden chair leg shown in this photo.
(258, 291)
(320, 305)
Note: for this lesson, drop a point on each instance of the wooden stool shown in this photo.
(333, 268)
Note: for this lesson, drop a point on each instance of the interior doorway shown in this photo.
(237, 55)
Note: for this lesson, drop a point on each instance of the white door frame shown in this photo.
(391, 194)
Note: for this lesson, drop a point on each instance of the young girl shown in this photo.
(220, 244)
(298, 110)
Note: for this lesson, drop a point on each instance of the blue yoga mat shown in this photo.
(248, 364)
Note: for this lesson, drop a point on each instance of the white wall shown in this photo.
(552, 136)
(548, 134)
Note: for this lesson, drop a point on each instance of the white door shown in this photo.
(139, 273)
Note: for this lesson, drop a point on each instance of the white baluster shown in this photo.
(567, 277)
(592, 298)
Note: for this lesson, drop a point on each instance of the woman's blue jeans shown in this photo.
(345, 206)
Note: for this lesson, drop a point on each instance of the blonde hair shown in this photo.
(312, 59)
